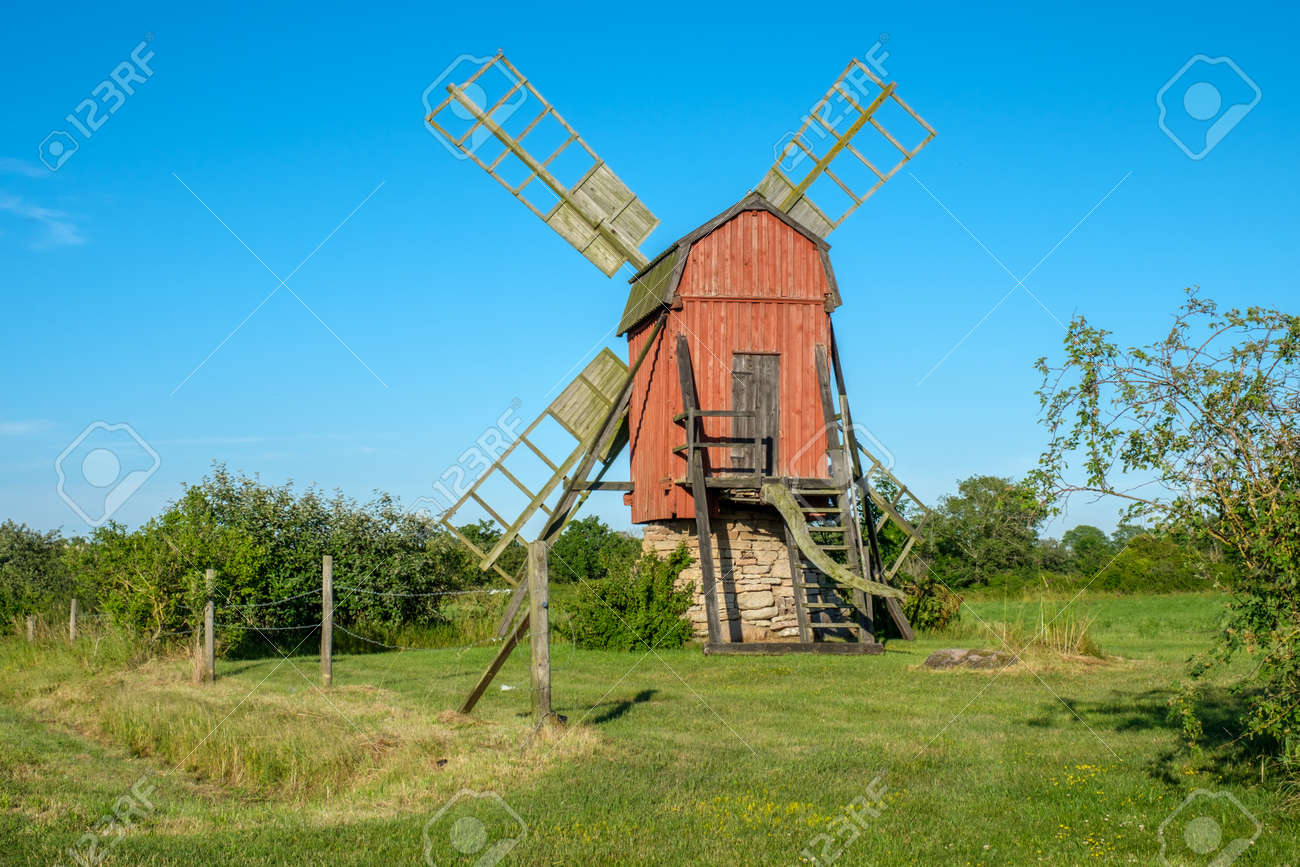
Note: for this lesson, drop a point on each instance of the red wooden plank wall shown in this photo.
(753, 285)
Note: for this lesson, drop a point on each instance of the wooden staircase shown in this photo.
(825, 609)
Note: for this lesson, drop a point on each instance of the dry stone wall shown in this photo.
(755, 593)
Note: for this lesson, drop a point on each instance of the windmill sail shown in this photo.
(569, 187)
(823, 148)
(580, 410)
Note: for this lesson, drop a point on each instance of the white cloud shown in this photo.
(22, 428)
(59, 231)
(11, 166)
(210, 441)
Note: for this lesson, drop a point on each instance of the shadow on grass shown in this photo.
(615, 709)
(1219, 709)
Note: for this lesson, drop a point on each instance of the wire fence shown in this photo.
(241, 623)
(250, 624)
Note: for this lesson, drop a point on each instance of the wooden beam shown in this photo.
(797, 585)
(497, 661)
(538, 603)
(209, 632)
(512, 610)
(776, 493)
(573, 496)
(854, 552)
(774, 648)
(834, 448)
(570, 499)
(327, 620)
(699, 490)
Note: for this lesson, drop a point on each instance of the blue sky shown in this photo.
(439, 300)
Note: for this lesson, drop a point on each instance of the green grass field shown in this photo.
(668, 757)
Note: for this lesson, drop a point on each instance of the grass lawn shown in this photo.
(668, 758)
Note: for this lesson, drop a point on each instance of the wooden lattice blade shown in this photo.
(498, 119)
(822, 151)
(580, 411)
(892, 508)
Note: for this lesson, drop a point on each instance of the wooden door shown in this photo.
(756, 385)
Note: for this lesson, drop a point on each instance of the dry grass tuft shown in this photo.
(1062, 634)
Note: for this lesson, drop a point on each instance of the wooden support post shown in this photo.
(699, 490)
(517, 597)
(209, 632)
(539, 617)
(797, 586)
(497, 661)
(31, 627)
(198, 654)
(327, 620)
(72, 621)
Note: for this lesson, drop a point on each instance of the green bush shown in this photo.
(588, 550)
(930, 605)
(639, 607)
(32, 573)
(265, 544)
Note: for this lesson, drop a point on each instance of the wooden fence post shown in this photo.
(539, 626)
(198, 653)
(72, 621)
(31, 627)
(209, 632)
(327, 620)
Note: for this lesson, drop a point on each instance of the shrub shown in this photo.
(32, 574)
(930, 605)
(588, 550)
(265, 544)
(639, 607)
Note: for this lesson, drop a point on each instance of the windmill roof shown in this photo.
(654, 287)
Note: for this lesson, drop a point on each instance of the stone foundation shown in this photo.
(752, 565)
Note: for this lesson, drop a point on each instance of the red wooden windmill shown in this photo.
(733, 400)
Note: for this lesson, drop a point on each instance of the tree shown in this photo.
(588, 550)
(32, 573)
(1199, 431)
(988, 526)
(1125, 533)
(1051, 555)
(1089, 547)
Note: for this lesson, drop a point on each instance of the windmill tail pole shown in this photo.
(780, 496)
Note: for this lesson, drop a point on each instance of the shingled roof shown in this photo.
(654, 287)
